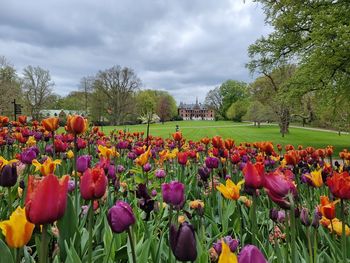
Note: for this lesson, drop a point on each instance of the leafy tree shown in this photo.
(270, 91)
(117, 85)
(221, 98)
(237, 110)
(313, 34)
(37, 88)
(258, 112)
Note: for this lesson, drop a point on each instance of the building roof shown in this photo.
(57, 112)
(193, 106)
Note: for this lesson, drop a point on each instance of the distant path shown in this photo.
(307, 128)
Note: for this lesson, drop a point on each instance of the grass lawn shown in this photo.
(241, 132)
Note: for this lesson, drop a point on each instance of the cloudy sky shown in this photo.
(185, 47)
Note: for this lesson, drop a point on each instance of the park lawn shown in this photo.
(241, 132)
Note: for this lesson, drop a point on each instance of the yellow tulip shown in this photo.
(337, 227)
(197, 204)
(70, 154)
(226, 255)
(107, 152)
(31, 141)
(316, 178)
(4, 162)
(143, 158)
(231, 190)
(48, 167)
(17, 230)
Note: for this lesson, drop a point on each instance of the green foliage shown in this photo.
(237, 110)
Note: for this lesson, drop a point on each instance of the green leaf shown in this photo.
(5, 253)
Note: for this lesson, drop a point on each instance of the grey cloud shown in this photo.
(185, 47)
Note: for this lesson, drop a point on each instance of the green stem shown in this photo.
(44, 245)
(293, 234)
(77, 208)
(132, 246)
(110, 248)
(254, 223)
(309, 244)
(315, 244)
(90, 224)
(170, 219)
(9, 199)
(343, 236)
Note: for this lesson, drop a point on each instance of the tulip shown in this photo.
(22, 119)
(17, 230)
(46, 199)
(147, 167)
(182, 158)
(120, 217)
(204, 173)
(143, 158)
(183, 242)
(76, 124)
(339, 184)
(173, 193)
(8, 175)
(327, 208)
(304, 217)
(226, 255)
(28, 155)
(230, 190)
(160, 173)
(177, 136)
(107, 152)
(254, 175)
(278, 186)
(93, 183)
(251, 254)
(50, 124)
(48, 167)
(315, 177)
(212, 162)
(83, 163)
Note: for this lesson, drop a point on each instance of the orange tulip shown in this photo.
(339, 184)
(76, 124)
(22, 119)
(177, 136)
(50, 124)
(327, 208)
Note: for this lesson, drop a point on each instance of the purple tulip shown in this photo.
(122, 145)
(111, 172)
(38, 136)
(154, 193)
(49, 149)
(173, 193)
(147, 167)
(132, 155)
(183, 242)
(212, 162)
(120, 168)
(71, 186)
(316, 218)
(304, 217)
(8, 176)
(232, 243)
(204, 173)
(120, 217)
(251, 254)
(160, 173)
(28, 155)
(83, 163)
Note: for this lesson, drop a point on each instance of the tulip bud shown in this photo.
(147, 167)
(304, 217)
(93, 183)
(183, 242)
(160, 173)
(212, 162)
(316, 218)
(120, 217)
(83, 163)
(232, 243)
(173, 193)
(251, 254)
(8, 176)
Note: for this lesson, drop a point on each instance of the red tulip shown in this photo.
(50, 124)
(177, 136)
(254, 175)
(278, 185)
(182, 158)
(46, 199)
(93, 183)
(22, 119)
(339, 184)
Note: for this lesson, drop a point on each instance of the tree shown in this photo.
(258, 112)
(313, 34)
(86, 86)
(118, 85)
(269, 90)
(166, 107)
(237, 110)
(37, 88)
(9, 87)
(221, 98)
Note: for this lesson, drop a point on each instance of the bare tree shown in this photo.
(86, 86)
(9, 87)
(214, 100)
(37, 88)
(118, 85)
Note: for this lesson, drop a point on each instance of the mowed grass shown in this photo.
(243, 132)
